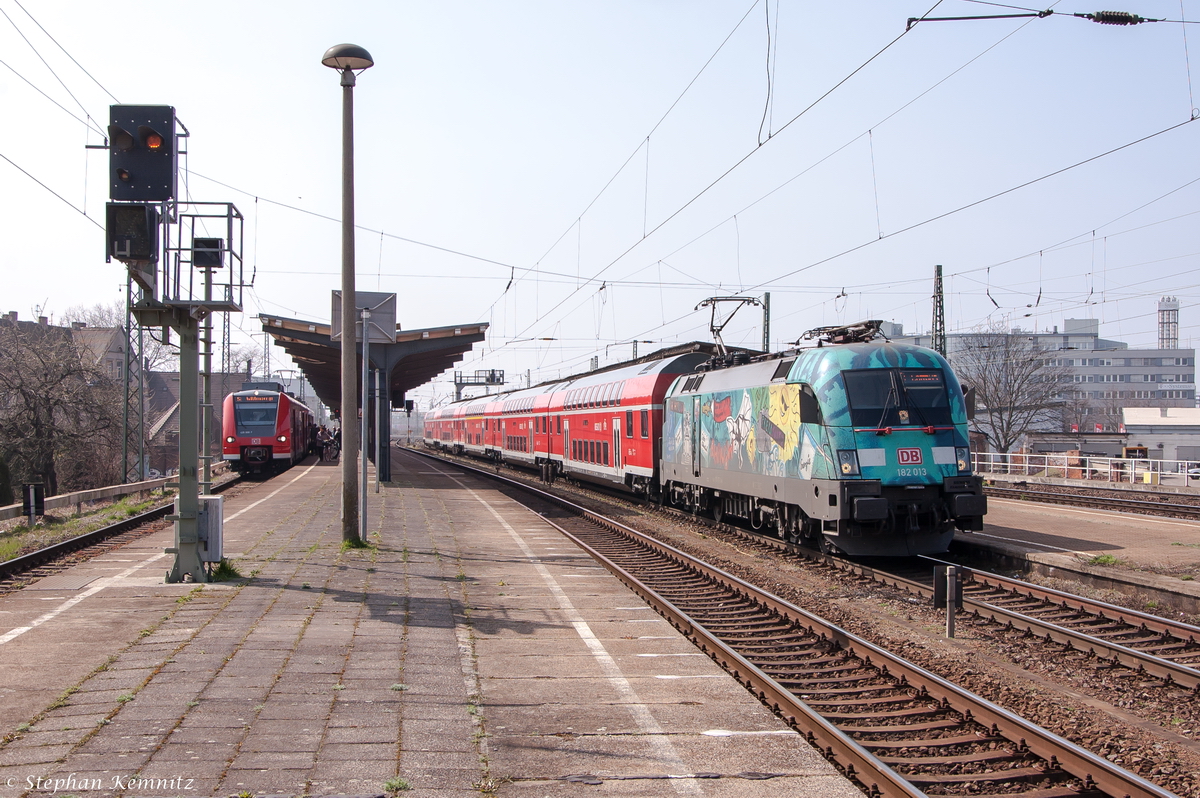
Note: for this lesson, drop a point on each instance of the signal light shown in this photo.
(141, 153)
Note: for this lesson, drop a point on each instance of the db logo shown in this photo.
(259, 440)
(909, 456)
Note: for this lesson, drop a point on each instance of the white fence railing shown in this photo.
(1097, 469)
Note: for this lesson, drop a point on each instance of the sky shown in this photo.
(589, 172)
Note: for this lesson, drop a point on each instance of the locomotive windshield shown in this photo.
(255, 415)
(897, 397)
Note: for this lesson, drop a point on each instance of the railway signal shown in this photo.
(142, 155)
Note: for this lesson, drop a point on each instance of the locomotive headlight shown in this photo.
(231, 439)
(963, 455)
(282, 439)
(848, 460)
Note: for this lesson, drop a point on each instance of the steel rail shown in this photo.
(1097, 502)
(27, 562)
(1093, 771)
(1171, 672)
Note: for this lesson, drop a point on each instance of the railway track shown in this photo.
(895, 728)
(1152, 645)
(36, 562)
(1161, 506)
(1160, 647)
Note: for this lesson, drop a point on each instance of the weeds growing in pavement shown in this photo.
(225, 571)
(396, 784)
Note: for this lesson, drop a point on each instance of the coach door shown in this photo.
(696, 435)
(567, 454)
(616, 443)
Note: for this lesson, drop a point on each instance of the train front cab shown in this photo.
(901, 446)
(263, 431)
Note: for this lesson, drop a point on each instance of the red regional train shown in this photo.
(598, 426)
(264, 429)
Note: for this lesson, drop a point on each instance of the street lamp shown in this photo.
(347, 58)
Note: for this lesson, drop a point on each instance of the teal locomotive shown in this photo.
(858, 447)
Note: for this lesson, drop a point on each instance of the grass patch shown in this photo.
(1189, 545)
(355, 543)
(1104, 559)
(225, 571)
(396, 784)
(53, 529)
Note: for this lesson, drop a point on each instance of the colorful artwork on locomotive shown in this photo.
(758, 429)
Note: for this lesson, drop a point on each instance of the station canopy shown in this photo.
(416, 358)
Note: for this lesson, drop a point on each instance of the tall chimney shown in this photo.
(1168, 323)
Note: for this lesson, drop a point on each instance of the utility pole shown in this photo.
(939, 313)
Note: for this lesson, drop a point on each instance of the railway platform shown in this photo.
(470, 649)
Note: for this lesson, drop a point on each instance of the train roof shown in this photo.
(813, 364)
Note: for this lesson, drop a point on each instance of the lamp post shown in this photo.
(346, 58)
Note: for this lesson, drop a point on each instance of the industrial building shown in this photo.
(1101, 377)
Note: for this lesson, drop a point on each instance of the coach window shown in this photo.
(645, 423)
(605, 445)
(628, 423)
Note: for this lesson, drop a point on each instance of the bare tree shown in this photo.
(60, 417)
(1018, 385)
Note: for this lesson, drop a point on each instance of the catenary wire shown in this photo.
(737, 164)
